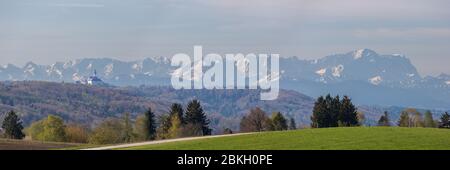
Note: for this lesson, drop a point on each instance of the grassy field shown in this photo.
(358, 138)
(8, 144)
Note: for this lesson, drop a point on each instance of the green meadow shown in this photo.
(354, 138)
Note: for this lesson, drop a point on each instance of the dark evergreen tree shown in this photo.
(334, 105)
(279, 123)
(318, 118)
(292, 124)
(178, 110)
(347, 114)
(384, 120)
(12, 125)
(332, 112)
(149, 125)
(196, 115)
(445, 121)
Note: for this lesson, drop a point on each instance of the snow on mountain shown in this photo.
(358, 54)
(337, 71)
(137, 66)
(29, 68)
(76, 77)
(109, 69)
(359, 65)
(359, 69)
(376, 80)
(321, 72)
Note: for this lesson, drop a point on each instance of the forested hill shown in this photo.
(90, 104)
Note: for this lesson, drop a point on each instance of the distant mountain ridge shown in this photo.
(370, 78)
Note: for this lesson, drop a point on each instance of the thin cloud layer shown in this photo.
(49, 30)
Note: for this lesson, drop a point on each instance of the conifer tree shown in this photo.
(146, 125)
(292, 124)
(279, 122)
(445, 121)
(334, 110)
(12, 125)
(347, 112)
(196, 115)
(318, 118)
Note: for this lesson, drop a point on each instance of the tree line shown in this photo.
(179, 122)
(257, 121)
(412, 118)
(333, 112)
(328, 111)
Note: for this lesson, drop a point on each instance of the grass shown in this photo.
(357, 138)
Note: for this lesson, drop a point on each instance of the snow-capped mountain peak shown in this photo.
(358, 54)
(356, 69)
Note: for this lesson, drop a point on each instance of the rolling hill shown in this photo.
(89, 105)
(357, 138)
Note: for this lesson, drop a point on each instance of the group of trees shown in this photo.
(257, 121)
(180, 123)
(177, 123)
(333, 112)
(413, 118)
(51, 128)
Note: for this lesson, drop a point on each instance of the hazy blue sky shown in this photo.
(46, 31)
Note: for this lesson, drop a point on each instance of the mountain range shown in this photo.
(368, 77)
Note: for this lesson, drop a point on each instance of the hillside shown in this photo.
(373, 138)
(90, 104)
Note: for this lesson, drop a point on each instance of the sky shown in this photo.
(47, 31)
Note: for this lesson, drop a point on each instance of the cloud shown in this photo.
(402, 33)
(77, 5)
(333, 8)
